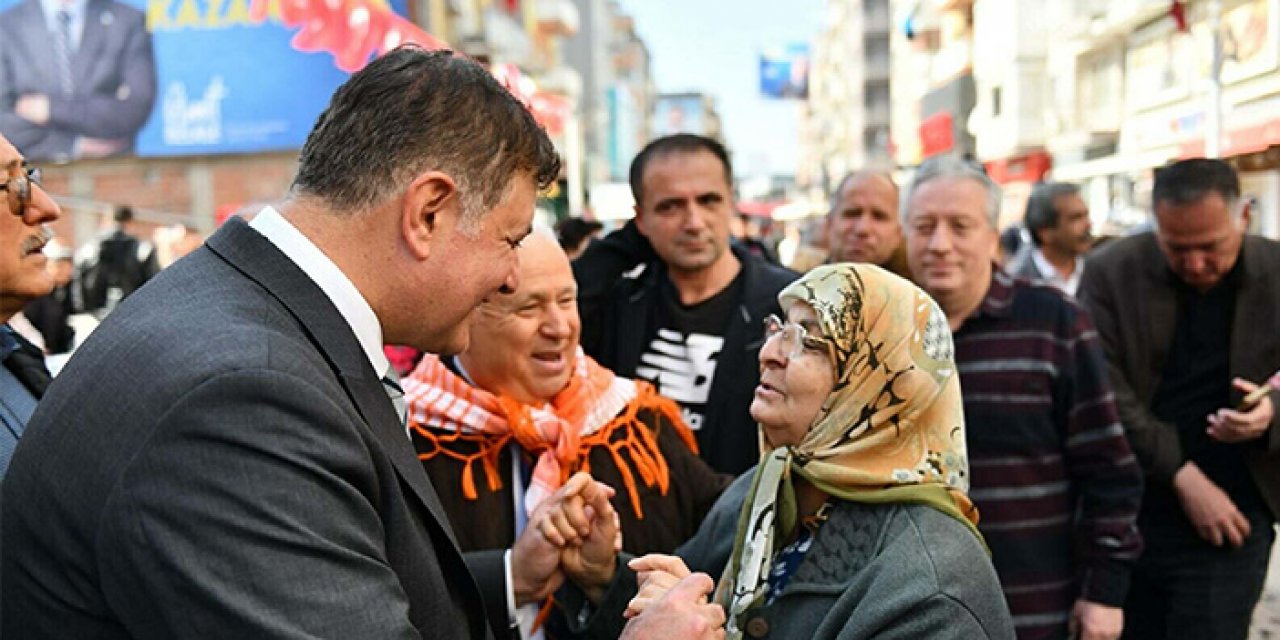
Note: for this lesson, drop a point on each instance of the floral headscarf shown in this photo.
(892, 429)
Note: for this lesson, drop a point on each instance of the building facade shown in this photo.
(846, 121)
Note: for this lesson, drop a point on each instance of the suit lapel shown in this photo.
(1255, 317)
(99, 22)
(37, 39)
(255, 256)
(1158, 318)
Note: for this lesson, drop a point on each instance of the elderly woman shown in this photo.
(502, 425)
(855, 524)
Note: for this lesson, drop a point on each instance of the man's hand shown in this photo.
(1093, 621)
(576, 516)
(656, 574)
(682, 614)
(561, 520)
(1229, 425)
(1210, 510)
(87, 147)
(33, 107)
(587, 529)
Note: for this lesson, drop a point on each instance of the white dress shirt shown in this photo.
(74, 8)
(1068, 285)
(332, 281)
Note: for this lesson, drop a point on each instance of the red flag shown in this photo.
(1178, 9)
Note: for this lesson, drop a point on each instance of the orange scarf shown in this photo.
(596, 409)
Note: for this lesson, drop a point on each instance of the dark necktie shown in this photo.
(391, 384)
(25, 361)
(62, 47)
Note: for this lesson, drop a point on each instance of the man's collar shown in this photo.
(51, 8)
(8, 342)
(332, 281)
(1050, 273)
(998, 302)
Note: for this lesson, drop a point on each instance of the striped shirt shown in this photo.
(1052, 472)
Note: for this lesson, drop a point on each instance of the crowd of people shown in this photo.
(653, 434)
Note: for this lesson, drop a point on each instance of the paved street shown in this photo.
(1266, 619)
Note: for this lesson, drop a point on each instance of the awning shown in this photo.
(1108, 166)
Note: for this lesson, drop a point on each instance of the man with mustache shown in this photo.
(669, 300)
(23, 278)
(1053, 476)
(1058, 220)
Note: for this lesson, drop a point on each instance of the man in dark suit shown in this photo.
(261, 484)
(77, 77)
(1187, 315)
(25, 210)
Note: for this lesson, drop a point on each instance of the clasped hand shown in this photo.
(575, 533)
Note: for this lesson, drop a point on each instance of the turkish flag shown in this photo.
(1178, 9)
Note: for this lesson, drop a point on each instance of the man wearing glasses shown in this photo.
(23, 278)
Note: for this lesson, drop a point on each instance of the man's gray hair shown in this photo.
(954, 167)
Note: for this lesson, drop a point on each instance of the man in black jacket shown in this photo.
(116, 265)
(668, 299)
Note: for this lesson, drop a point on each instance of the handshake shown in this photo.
(575, 535)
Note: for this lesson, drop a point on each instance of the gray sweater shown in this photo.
(873, 571)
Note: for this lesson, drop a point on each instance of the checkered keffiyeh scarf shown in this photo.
(596, 409)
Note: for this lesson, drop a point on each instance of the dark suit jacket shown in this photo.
(113, 72)
(219, 460)
(1129, 291)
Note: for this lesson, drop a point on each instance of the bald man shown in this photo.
(863, 223)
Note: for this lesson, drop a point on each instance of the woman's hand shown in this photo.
(656, 574)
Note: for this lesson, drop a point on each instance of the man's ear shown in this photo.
(640, 219)
(430, 205)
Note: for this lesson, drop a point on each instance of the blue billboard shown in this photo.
(178, 77)
(784, 71)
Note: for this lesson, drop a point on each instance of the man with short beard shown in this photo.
(1187, 314)
(23, 278)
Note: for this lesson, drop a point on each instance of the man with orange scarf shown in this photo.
(501, 426)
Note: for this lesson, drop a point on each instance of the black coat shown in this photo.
(1128, 290)
(618, 311)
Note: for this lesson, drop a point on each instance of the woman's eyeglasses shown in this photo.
(795, 339)
(19, 190)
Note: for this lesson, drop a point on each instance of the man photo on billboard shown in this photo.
(77, 77)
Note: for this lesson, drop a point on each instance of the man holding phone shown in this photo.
(1187, 315)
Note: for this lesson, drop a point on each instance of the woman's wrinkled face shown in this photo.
(796, 376)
